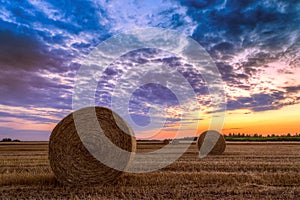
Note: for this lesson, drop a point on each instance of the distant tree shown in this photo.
(16, 140)
(6, 140)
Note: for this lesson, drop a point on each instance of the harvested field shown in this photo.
(263, 170)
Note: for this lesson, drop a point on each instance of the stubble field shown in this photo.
(245, 170)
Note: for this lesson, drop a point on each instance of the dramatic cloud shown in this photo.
(255, 45)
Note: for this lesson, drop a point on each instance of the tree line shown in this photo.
(260, 137)
(9, 140)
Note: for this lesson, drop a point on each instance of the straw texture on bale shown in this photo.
(218, 148)
(70, 160)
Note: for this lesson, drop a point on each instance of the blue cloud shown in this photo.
(258, 102)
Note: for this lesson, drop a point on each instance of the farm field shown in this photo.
(252, 170)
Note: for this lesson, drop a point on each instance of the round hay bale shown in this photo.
(166, 141)
(71, 160)
(219, 146)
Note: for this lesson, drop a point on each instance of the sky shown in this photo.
(253, 44)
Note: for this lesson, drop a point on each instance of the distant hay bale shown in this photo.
(220, 145)
(166, 141)
(70, 160)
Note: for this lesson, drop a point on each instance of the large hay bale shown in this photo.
(71, 160)
(211, 137)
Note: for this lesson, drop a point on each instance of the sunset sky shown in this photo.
(254, 44)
